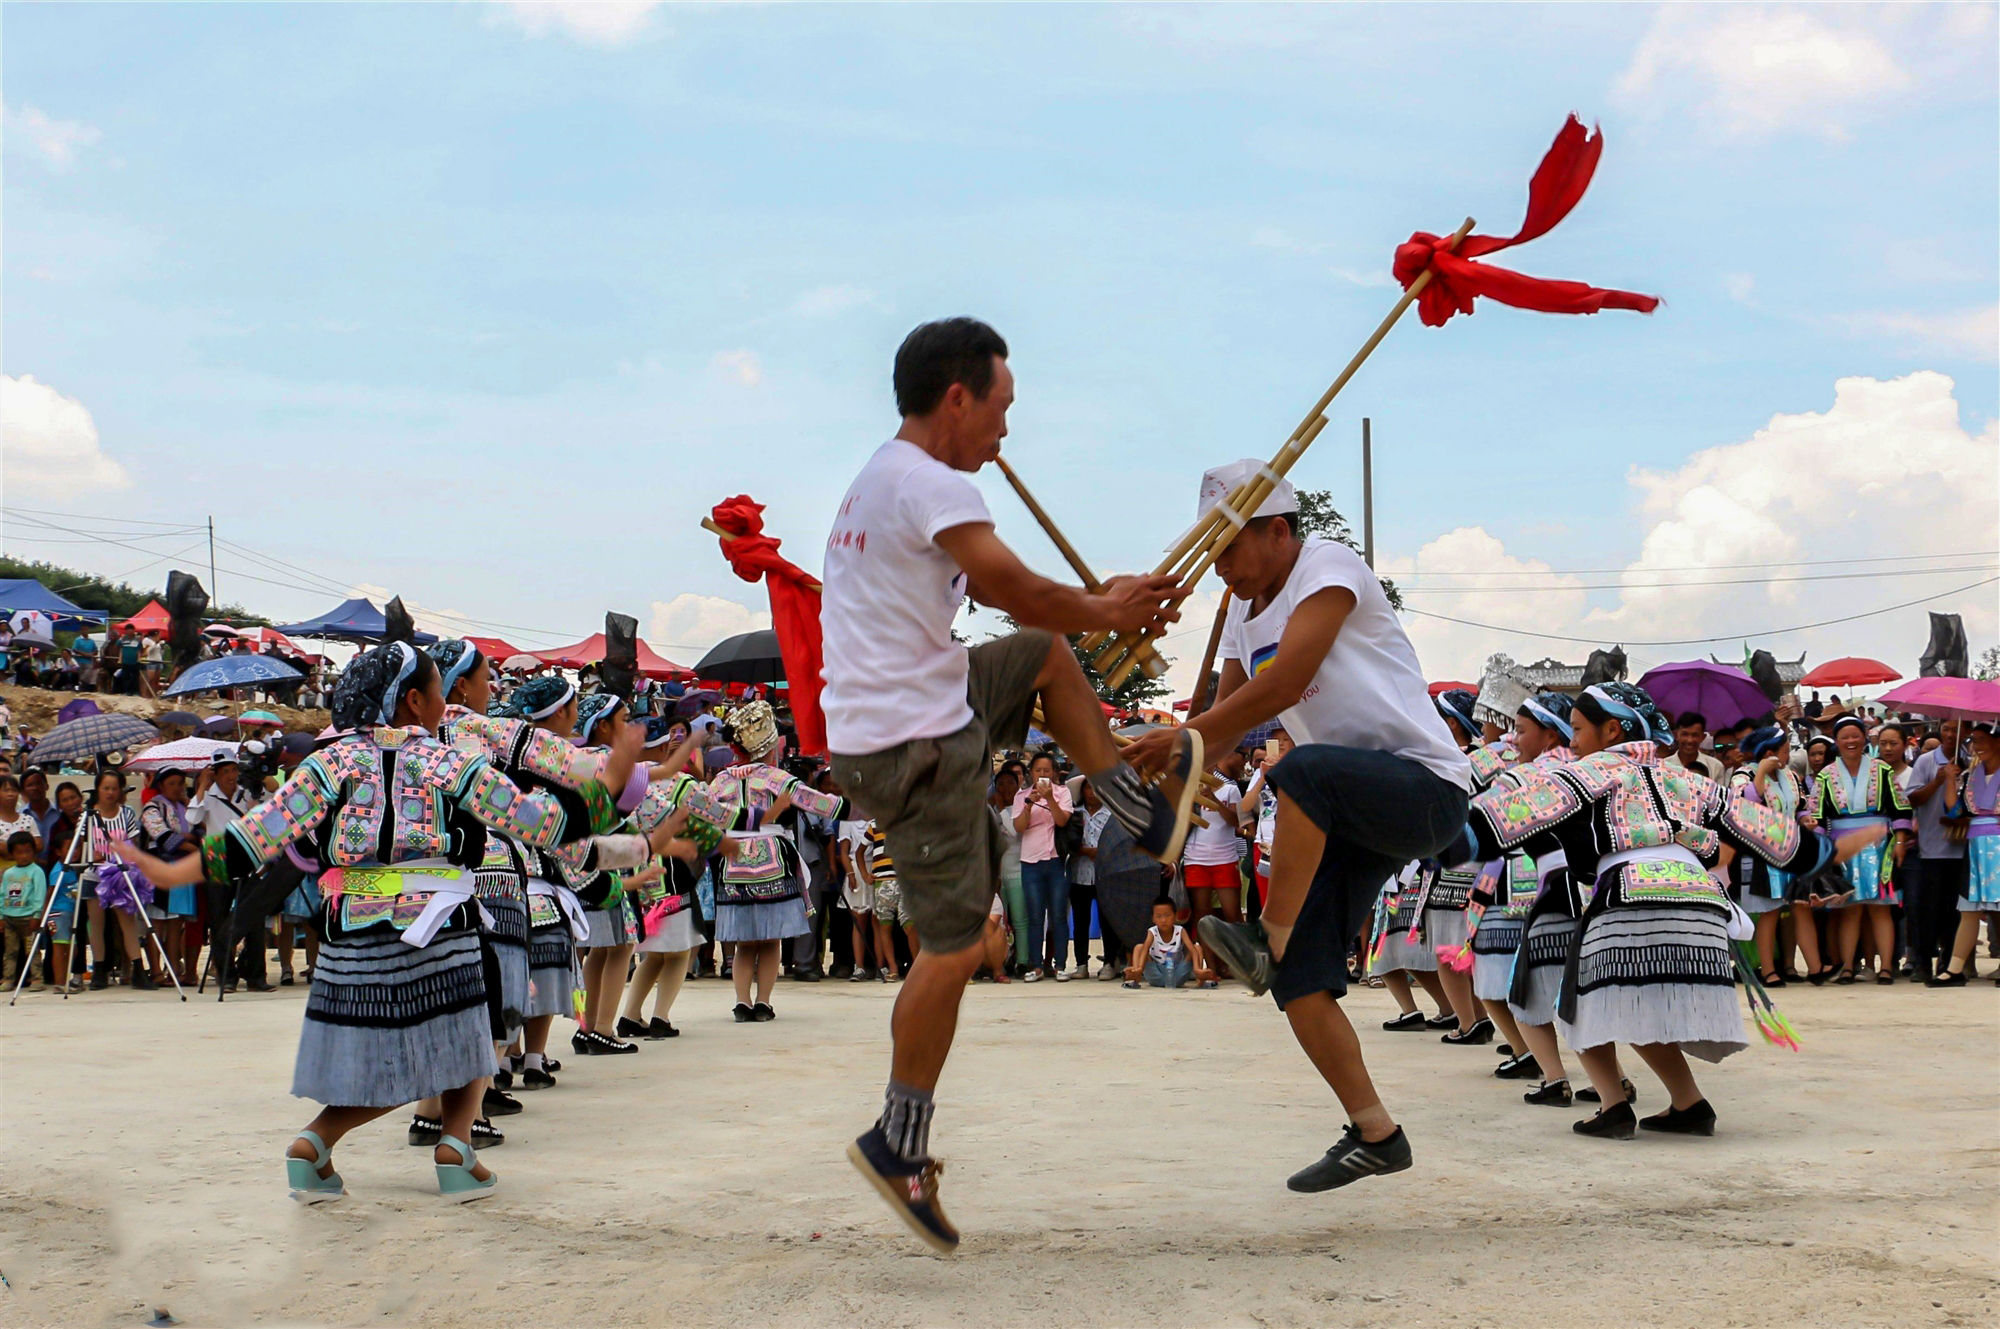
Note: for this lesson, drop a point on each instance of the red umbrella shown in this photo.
(1447, 686)
(1849, 671)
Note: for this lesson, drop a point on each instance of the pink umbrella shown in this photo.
(1946, 698)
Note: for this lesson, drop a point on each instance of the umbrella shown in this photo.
(187, 720)
(215, 726)
(93, 736)
(1850, 671)
(1946, 698)
(1448, 685)
(260, 717)
(32, 627)
(184, 754)
(748, 657)
(521, 661)
(692, 704)
(1723, 695)
(82, 706)
(232, 671)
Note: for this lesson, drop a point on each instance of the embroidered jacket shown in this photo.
(1622, 799)
(762, 872)
(1880, 796)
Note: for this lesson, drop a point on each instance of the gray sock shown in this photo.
(906, 1121)
(1126, 795)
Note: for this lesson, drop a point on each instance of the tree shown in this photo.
(1987, 667)
(1317, 516)
(1136, 690)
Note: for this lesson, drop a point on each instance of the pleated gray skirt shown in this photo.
(551, 971)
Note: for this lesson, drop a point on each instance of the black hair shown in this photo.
(7, 778)
(1687, 719)
(19, 838)
(1902, 730)
(1168, 901)
(1291, 520)
(69, 785)
(936, 355)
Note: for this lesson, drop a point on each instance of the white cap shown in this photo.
(1218, 484)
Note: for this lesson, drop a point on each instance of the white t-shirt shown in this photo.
(1369, 691)
(1215, 842)
(893, 672)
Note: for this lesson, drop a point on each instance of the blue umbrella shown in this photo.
(232, 671)
(92, 736)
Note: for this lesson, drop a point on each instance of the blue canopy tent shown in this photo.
(351, 620)
(18, 593)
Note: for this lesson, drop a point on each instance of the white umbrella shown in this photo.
(523, 661)
(184, 754)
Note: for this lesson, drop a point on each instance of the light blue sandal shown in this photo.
(308, 1186)
(455, 1180)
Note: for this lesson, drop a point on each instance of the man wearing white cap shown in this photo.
(1374, 782)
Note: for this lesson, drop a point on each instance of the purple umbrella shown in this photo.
(80, 707)
(1722, 695)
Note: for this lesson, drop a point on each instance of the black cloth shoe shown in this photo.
(810, 974)
(1503, 1049)
(1613, 1123)
(742, 1013)
(1406, 1021)
(911, 1189)
(503, 1078)
(484, 1136)
(1549, 1094)
(257, 985)
(1518, 1068)
(1445, 1021)
(497, 1103)
(1479, 1035)
(630, 1028)
(1589, 1093)
(1947, 979)
(658, 1028)
(1696, 1120)
(603, 1045)
(425, 1130)
(762, 1012)
(579, 1043)
(1351, 1159)
(536, 1078)
(100, 976)
(1242, 947)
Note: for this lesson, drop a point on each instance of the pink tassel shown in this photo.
(1457, 958)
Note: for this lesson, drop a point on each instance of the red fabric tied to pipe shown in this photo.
(1456, 280)
(795, 595)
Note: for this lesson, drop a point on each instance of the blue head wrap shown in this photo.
(659, 727)
(593, 711)
(1457, 705)
(1761, 743)
(455, 658)
(1551, 711)
(540, 697)
(1631, 708)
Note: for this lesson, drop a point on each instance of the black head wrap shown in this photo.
(540, 697)
(1628, 704)
(455, 658)
(593, 711)
(372, 684)
(1457, 705)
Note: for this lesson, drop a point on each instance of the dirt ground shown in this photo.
(35, 708)
(1115, 1158)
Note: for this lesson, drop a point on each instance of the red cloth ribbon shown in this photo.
(1557, 186)
(795, 596)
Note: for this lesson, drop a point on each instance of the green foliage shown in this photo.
(1318, 516)
(116, 598)
(1135, 691)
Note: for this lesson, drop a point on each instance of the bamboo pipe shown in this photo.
(708, 524)
(1154, 665)
(1260, 486)
(1203, 694)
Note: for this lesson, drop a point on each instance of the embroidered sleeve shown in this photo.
(1894, 802)
(536, 819)
(1771, 835)
(1487, 762)
(261, 834)
(1530, 802)
(816, 802)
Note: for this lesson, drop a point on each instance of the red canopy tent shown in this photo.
(497, 649)
(153, 618)
(590, 651)
(1447, 685)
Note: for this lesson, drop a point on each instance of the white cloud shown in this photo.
(1974, 332)
(1755, 72)
(56, 142)
(592, 22)
(689, 624)
(49, 444)
(742, 366)
(829, 301)
(1887, 472)
(1742, 286)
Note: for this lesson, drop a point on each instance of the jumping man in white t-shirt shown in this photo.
(1374, 782)
(913, 717)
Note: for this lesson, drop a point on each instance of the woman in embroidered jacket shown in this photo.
(760, 900)
(1857, 789)
(663, 893)
(1765, 889)
(1447, 888)
(398, 1008)
(1979, 799)
(1653, 964)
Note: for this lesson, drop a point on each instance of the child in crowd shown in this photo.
(855, 892)
(1169, 956)
(24, 889)
(878, 870)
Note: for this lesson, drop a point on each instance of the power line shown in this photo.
(1670, 585)
(1703, 641)
(1701, 567)
(91, 516)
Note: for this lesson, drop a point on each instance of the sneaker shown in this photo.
(1106, 972)
(656, 1028)
(1588, 1094)
(1696, 1120)
(1066, 975)
(1209, 984)
(762, 1013)
(1242, 947)
(1613, 1123)
(1481, 1033)
(911, 1189)
(537, 1078)
(1549, 1094)
(1518, 1068)
(425, 1130)
(1170, 803)
(1133, 983)
(1351, 1159)
(498, 1103)
(859, 975)
(285, 979)
(1408, 1020)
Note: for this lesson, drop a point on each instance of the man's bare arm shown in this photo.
(999, 578)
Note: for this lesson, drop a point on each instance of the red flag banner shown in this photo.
(795, 596)
(1456, 280)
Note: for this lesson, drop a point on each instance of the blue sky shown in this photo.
(489, 304)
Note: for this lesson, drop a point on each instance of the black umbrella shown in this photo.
(749, 657)
(178, 719)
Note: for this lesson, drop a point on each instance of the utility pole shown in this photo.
(1367, 496)
(216, 596)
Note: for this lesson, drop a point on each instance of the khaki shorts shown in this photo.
(928, 796)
